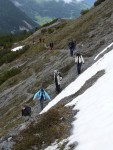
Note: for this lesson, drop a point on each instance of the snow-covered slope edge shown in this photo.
(93, 127)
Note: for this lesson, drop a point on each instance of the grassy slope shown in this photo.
(38, 60)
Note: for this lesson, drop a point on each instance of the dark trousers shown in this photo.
(71, 51)
(58, 88)
(42, 103)
(79, 68)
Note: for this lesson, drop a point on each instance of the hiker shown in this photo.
(40, 40)
(72, 46)
(41, 95)
(26, 112)
(79, 61)
(33, 41)
(51, 45)
(57, 80)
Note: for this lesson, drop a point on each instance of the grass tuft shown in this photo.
(51, 126)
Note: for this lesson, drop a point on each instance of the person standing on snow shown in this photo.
(57, 80)
(79, 61)
(72, 46)
(41, 95)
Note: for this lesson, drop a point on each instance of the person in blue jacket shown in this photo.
(41, 95)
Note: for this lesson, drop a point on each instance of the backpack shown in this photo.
(60, 76)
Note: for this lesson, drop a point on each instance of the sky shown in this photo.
(68, 1)
(93, 126)
(90, 2)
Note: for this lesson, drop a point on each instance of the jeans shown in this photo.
(58, 88)
(79, 68)
(71, 51)
(42, 103)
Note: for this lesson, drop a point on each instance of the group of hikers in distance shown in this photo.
(41, 95)
(42, 40)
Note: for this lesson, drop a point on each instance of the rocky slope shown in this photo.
(38, 63)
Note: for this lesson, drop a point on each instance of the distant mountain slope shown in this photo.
(43, 11)
(12, 19)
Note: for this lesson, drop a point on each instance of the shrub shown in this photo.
(49, 23)
(6, 75)
(7, 41)
(43, 31)
(48, 128)
(98, 2)
(84, 11)
(60, 26)
(50, 30)
(10, 55)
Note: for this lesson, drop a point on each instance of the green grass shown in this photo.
(9, 114)
(10, 56)
(45, 131)
(8, 74)
(42, 20)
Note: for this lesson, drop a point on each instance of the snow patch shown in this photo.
(56, 145)
(17, 48)
(103, 51)
(93, 126)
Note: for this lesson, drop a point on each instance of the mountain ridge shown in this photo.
(12, 19)
(44, 11)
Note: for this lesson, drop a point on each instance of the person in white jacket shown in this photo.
(57, 80)
(79, 61)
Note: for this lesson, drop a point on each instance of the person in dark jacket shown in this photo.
(41, 95)
(51, 45)
(72, 46)
(26, 112)
(57, 80)
(79, 61)
(40, 40)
